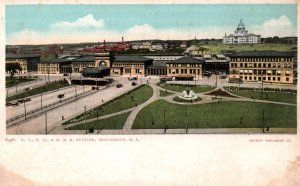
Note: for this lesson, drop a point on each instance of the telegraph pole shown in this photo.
(263, 121)
(41, 100)
(48, 73)
(75, 92)
(165, 121)
(97, 126)
(262, 84)
(46, 122)
(85, 120)
(24, 107)
(186, 123)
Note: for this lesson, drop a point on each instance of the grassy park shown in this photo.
(128, 100)
(16, 81)
(164, 93)
(270, 95)
(216, 115)
(181, 87)
(115, 122)
(42, 89)
(217, 48)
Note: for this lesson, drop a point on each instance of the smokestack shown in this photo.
(122, 39)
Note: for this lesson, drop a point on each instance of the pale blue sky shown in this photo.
(198, 20)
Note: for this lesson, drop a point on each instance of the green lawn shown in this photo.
(16, 81)
(215, 115)
(163, 93)
(45, 88)
(115, 122)
(216, 49)
(271, 96)
(180, 87)
(123, 102)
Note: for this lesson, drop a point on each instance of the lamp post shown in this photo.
(186, 123)
(165, 121)
(262, 83)
(24, 108)
(85, 120)
(41, 100)
(97, 126)
(46, 122)
(263, 121)
(75, 92)
(48, 71)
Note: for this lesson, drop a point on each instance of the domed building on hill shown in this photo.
(241, 36)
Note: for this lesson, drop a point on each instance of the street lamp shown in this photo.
(41, 100)
(263, 120)
(97, 126)
(24, 107)
(75, 92)
(48, 69)
(186, 123)
(262, 84)
(165, 121)
(85, 120)
(46, 122)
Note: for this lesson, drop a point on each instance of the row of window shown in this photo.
(47, 64)
(127, 65)
(46, 69)
(184, 65)
(83, 64)
(184, 71)
(137, 71)
(261, 65)
(250, 78)
(261, 59)
(261, 72)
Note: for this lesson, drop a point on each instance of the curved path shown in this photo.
(127, 128)
(129, 122)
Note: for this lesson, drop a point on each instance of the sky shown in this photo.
(47, 24)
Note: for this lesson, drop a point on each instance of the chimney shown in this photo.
(122, 39)
(104, 43)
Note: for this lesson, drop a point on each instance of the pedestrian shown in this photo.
(62, 118)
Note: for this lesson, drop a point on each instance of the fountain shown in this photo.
(188, 94)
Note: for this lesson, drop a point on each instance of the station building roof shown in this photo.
(132, 59)
(263, 54)
(187, 60)
(20, 56)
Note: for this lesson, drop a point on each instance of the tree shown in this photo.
(202, 49)
(13, 68)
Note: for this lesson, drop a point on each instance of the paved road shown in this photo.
(224, 82)
(54, 117)
(184, 131)
(32, 84)
(47, 98)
